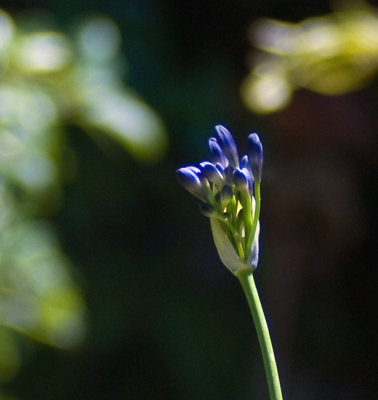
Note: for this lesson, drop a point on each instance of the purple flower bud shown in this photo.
(194, 169)
(228, 145)
(244, 163)
(255, 155)
(211, 173)
(216, 152)
(240, 179)
(220, 168)
(226, 191)
(248, 174)
(189, 178)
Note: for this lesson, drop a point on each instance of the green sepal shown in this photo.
(225, 248)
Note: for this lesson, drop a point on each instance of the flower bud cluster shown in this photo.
(229, 191)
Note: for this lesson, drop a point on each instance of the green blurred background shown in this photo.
(110, 285)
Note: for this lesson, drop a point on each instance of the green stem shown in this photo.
(246, 202)
(256, 217)
(245, 277)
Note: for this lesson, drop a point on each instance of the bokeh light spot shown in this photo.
(99, 38)
(43, 52)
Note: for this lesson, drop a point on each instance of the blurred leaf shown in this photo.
(332, 55)
(124, 117)
(48, 80)
(37, 294)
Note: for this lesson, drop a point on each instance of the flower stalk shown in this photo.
(229, 191)
(247, 282)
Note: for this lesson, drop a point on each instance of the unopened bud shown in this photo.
(255, 155)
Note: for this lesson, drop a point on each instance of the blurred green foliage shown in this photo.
(47, 81)
(332, 54)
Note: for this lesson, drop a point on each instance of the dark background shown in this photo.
(165, 319)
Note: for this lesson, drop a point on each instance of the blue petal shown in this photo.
(189, 178)
(228, 145)
(216, 153)
(244, 163)
(212, 173)
(196, 170)
(240, 178)
(248, 174)
(255, 155)
(220, 168)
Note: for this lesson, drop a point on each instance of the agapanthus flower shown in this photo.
(229, 194)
